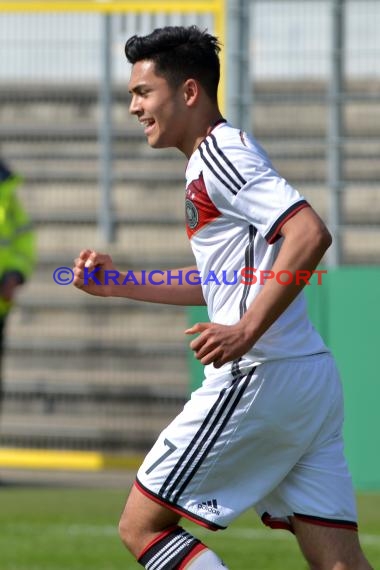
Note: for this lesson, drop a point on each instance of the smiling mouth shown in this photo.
(147, 125)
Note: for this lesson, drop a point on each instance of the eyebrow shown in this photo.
(138, 88)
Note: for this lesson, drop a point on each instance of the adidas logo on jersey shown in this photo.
(209, 506)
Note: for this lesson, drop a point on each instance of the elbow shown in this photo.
(326, 238)
(323, 240)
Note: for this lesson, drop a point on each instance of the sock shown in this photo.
(205, 559)
(176, 549)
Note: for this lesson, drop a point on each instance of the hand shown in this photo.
(219, 344)
(8, 288)
(89, 272)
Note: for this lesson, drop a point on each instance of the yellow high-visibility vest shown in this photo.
(17, 240)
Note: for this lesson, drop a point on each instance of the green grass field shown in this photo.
(76, 529)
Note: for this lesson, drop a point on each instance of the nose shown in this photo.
(135, 107)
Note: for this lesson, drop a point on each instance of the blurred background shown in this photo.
(103, 376)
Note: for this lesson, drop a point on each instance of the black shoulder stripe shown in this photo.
(220, 166)
(217, 174)
(227, 161)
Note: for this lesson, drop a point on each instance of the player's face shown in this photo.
(159, 108)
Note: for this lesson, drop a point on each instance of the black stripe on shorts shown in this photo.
(205, 438)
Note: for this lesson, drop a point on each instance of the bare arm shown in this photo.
(306, 239)
(96, 274)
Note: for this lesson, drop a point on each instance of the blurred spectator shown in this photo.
(17, 248)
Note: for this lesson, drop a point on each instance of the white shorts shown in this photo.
(268, 438)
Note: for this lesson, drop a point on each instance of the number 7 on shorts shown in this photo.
(169, 451)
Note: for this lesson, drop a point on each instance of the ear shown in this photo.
(191, 92)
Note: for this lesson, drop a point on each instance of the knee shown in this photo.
(128, 533)
(135, 537)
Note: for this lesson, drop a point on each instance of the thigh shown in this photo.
(147, 514)
(142, 519)
(327, 548)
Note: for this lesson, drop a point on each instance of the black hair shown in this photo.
(179, 53)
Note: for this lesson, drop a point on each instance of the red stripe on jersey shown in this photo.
(200, 210)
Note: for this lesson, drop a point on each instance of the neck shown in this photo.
(201, 128)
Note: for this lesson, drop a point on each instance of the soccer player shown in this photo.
(265, 428)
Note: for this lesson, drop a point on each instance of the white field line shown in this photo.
(235, 533)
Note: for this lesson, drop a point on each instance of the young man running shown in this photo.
(265, 428)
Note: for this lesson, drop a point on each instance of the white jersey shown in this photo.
(236, 204)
